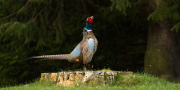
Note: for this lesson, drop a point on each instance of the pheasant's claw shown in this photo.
(84, 68)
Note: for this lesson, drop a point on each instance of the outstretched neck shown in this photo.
(89, 30)
(88, 26)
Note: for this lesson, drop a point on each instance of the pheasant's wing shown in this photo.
(83, 44)
(75, 54)
(96, 45)
(87, 50)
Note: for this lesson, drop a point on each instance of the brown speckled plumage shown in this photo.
(81, 54)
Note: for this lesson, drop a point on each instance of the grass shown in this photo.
(136, 81)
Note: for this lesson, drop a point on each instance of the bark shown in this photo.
(162, 57)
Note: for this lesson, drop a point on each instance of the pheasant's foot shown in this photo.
(77, 60)
(84, 68)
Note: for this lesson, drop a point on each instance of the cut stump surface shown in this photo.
(69, 78)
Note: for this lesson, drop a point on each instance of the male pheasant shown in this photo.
(83, 52)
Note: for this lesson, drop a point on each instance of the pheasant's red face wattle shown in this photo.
(90, 20)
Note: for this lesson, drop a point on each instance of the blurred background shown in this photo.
(126, 30)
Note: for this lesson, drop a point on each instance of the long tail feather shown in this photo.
(60, 56)
(49, 57)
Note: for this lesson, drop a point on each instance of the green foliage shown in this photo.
(37, 27)
(167, 10)
(161, 10)
(121, 5)
(176, 27)
(40, 1)
(25, 33)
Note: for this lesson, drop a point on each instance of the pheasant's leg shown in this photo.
(77, 60)
(84, 68)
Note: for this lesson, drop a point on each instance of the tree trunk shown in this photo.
(162, 57)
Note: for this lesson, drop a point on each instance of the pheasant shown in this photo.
(83, 52)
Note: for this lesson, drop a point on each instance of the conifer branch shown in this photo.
(13, 13)
(8, 16)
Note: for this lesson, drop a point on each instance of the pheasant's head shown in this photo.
(90, 19)
(89, 22)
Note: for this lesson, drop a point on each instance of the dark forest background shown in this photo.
(134, 35)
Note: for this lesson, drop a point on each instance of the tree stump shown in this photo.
(69, 78)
